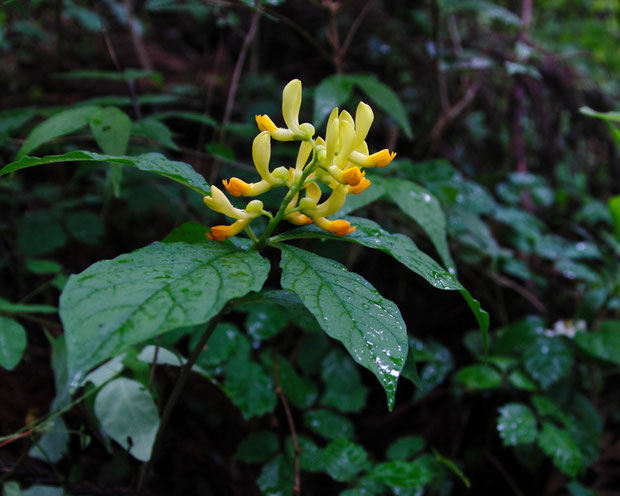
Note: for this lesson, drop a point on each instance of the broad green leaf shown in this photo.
(265, 320)
(12, 119)
(105, 372)
(384, 97)
(155, 130)
(12, 342)
(11, 488)
(547, 360)
(479, 377)
(8, 307)
(54, 442)
(40, 266)
(85, 227)
(351, 310)
(222, 344)
(128, 415)
(603, 343)
(402, 248)
(438, 364)
(249, 387)
(40, 490)
(586, 428)
(561, 447)
(310, 456)
(516, 424)
(343, 460)
(328, 424)
(59, 124)
(148, 162)
(404, 448)
(366, 197)
(343, 385)
(424, 209)
(332, 92)
(547, 408)
(520, 380)
(258, 447)
(517, 336)
(277, 478)
(399, 473)
(188, 116)
(302, 392)
(39, 233)
(134, 297)
(606, 116)
(111, 128)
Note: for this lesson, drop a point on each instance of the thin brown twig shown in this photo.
(504, 473)
(291, 423)
(136, 38)
(528, 295)
(353, 29)
(153, 367)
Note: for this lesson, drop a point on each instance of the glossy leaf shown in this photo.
(344, 390)
(111, 128)
(516, 424)
(547, 360)
(258, 447)
(249, 386)
(302, 392)
(54, 442)
(351, 310)
(149, 162)
(479, 377)
(384, 97)
(154, 130)
(332, 92)
(561, 447)
(12, 342)
(404, 448)
(60, 124)
(116, 303)
(328, 424)
(603, 343)
(424, 209)
(128, 415)
(343, 460)
(277, 478)
(265, 321)
(222, 345)
(399, 473)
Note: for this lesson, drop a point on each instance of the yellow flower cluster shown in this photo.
(335, 161)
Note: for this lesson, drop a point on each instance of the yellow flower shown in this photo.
(319, 213)
(291, 104)
(219, 203)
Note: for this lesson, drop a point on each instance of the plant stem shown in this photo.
(176, 393)
(260, 244)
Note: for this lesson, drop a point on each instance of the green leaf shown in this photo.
(8, 307)
(134, 297)
(12, 119)
(11, 488)
(424, 209)
(54, 442)
(220, 150)
(606, 116)
(343, 385)
(520, 380)
(399, 473)
(300, 391)
(149, 162)
(366, 197)
(603, 343)
(222, 344)
(384, 97)
(351, 310)
(189, 116)
(404, 447)
(516, 424)
(40, 490)
(561, 447)
(105, 372)
(439, 364)
(479, 377)
(332, 92)
(614, 210)
(39, 233)
(111, 128)
(249, 387)
(485, 8)
(40, 266)
(343, 460)
(128, 415)
(85, 227)
(125, 75)
(59, 124)
(265, 320)
(547, 408)
(328, 424)
(155, 130)
(277, 478)
(258, 447)
(577, 489)
(547, 360)
(12, 342)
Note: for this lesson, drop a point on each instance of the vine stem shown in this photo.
(291, 424)
(176, 393)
